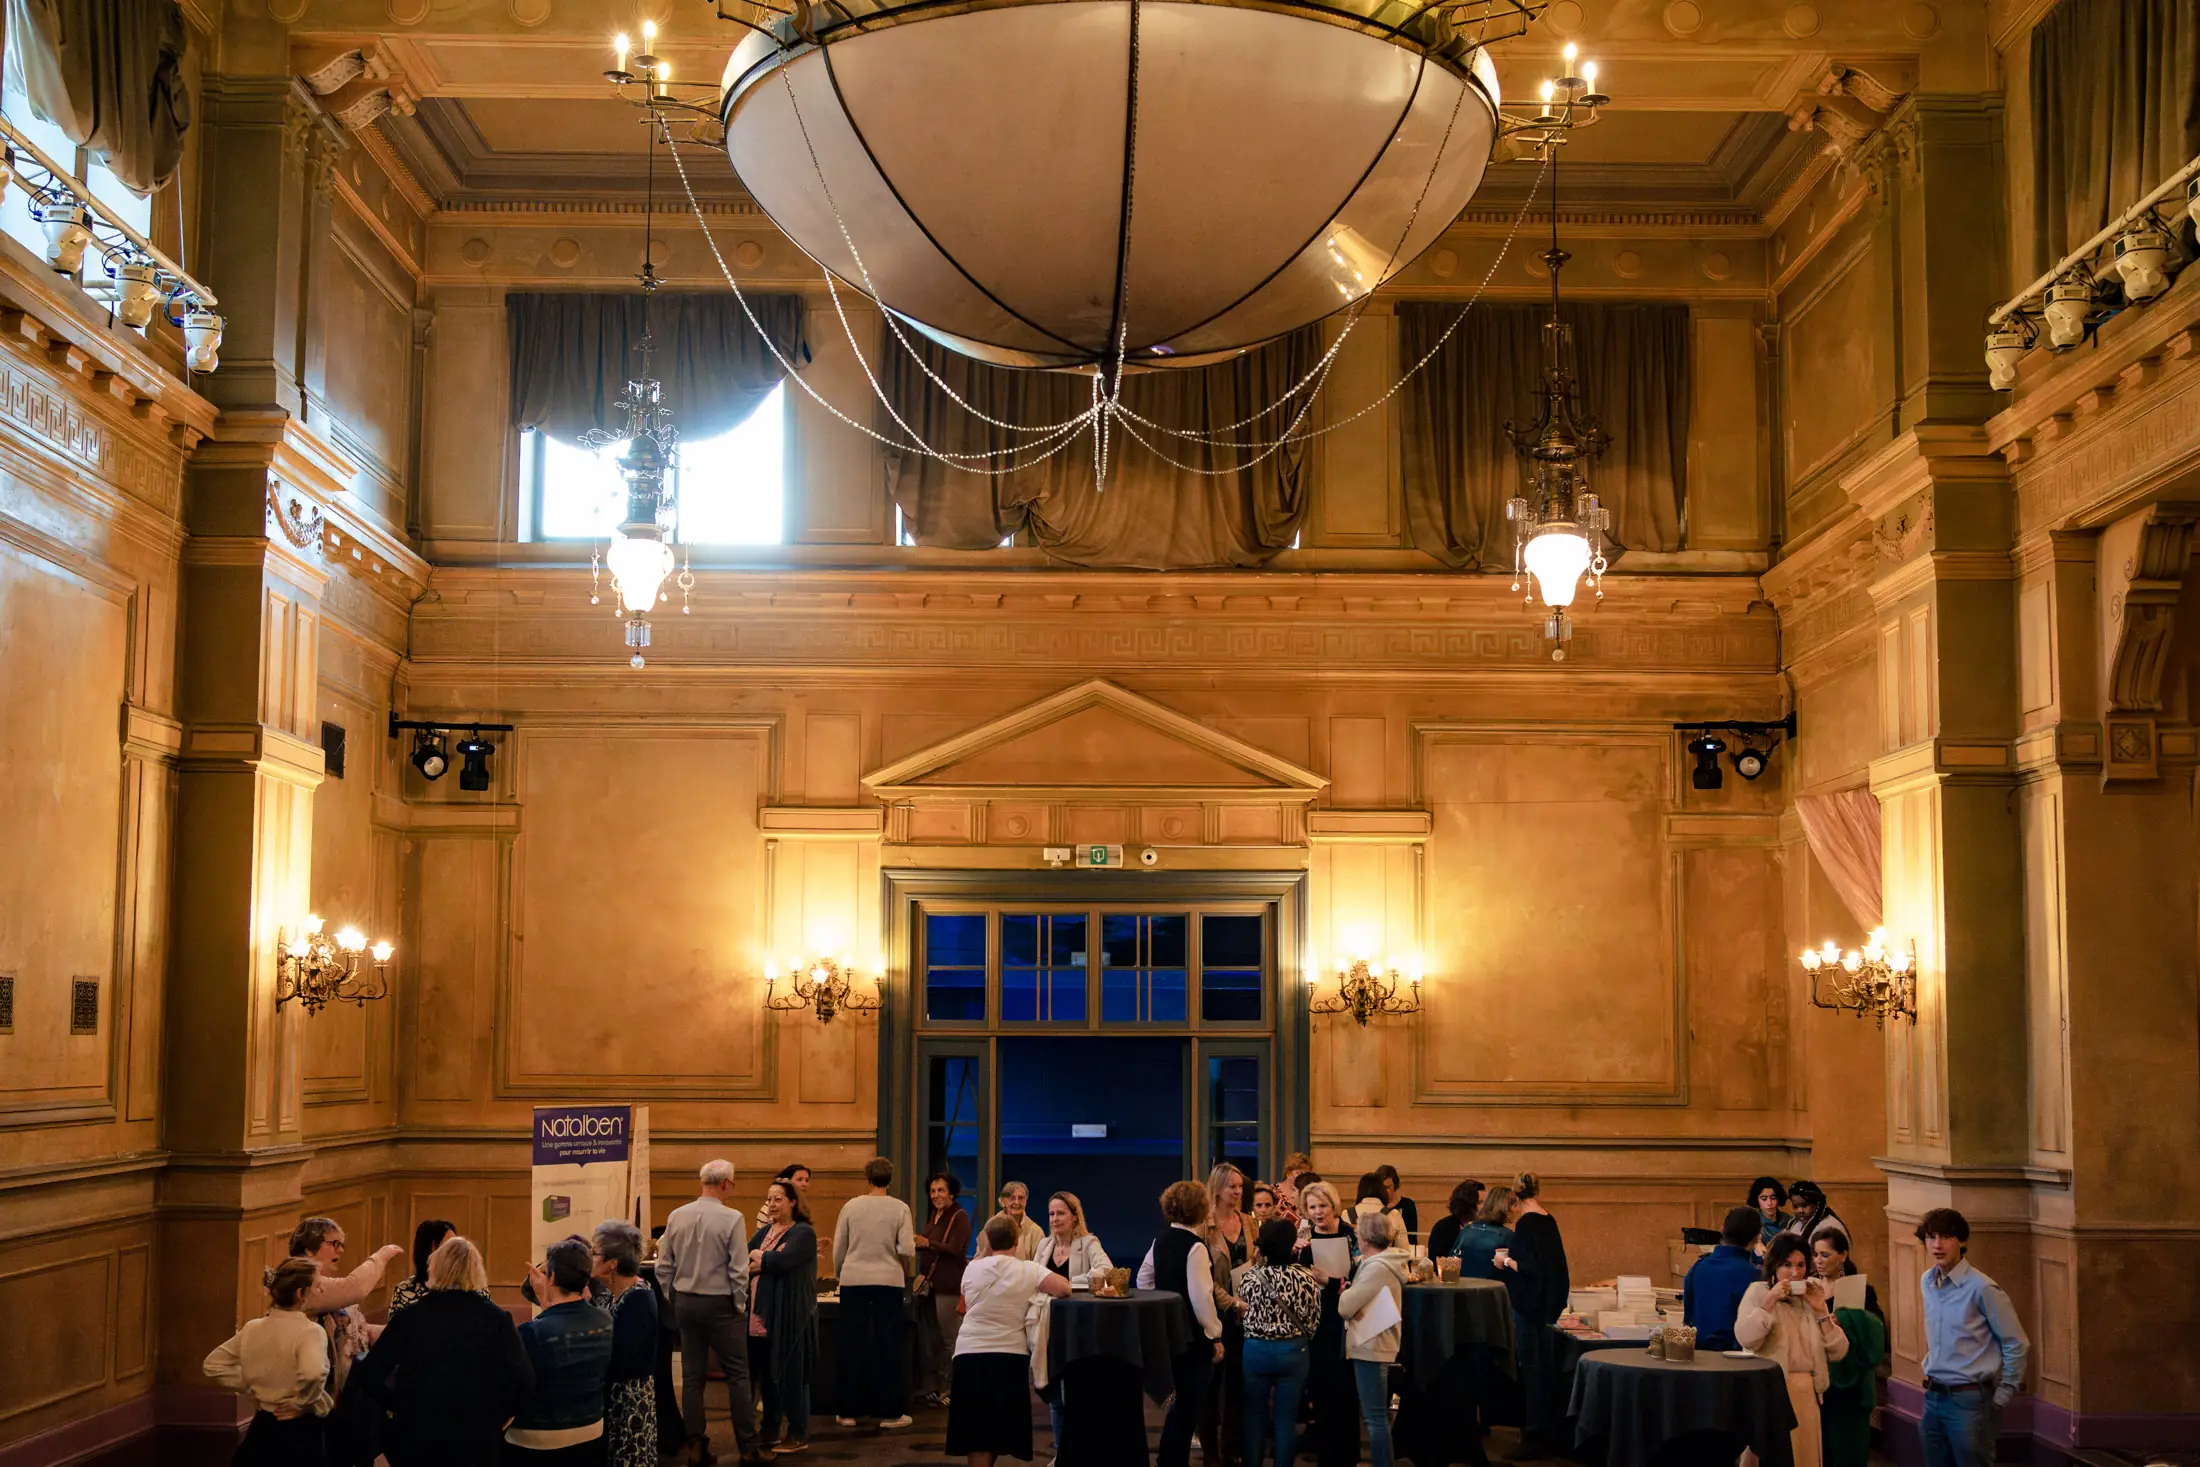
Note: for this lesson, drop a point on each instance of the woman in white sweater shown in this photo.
(1784, 1318)
(1069, 1250)
(281, 1358)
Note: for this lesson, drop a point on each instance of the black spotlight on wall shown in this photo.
(430, 758)
(1752, 754)
(473, 753)
(1707, 749)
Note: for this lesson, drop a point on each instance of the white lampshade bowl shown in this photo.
(978, 162)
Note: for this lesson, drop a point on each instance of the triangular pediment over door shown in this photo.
(1096, 762)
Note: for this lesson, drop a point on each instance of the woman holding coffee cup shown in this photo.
(1785, 1318)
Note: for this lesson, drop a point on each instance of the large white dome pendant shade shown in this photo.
(977, 158)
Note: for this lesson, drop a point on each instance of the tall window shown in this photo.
(727, 490)
(103, 186)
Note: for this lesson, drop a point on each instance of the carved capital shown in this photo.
(2144, 561)
(1903, 533)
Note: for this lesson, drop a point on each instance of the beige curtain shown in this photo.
(573, 353)
(1460, 468)
(109, 74)
(1843, 831)
(1151, 515)
(2115, 110)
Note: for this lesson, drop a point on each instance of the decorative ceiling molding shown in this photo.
(442, 144)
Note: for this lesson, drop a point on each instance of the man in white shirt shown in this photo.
(703, 1267)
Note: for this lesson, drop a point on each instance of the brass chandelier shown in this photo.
(315, 968)
(825, 986)
(1878, 979)
(1559, 525)
(1365, 993)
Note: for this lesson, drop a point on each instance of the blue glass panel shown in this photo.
(1019, 995)
(1020, 941)
(1165, 996)
(1066, 941)
(1165, 938)
(1119, 995)
(1119, 940)
(954, 940)
(1229, 994)
(1068, 995)
(1231, 941)
(954, 995)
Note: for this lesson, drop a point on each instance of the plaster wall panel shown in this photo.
(1837, 718)
(573, 928)
(1726, 498)
(1539, 833)
(1837, 361)
(1287, 736)
(832, 758)
(347, 1046)
(1738, 1017)
(61, 688)
(1358, 501)
(454, 908)
(837, 476)
(1356, 774)
(367, 307)
(466, 474)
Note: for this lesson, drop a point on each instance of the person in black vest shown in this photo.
(1177, 1263)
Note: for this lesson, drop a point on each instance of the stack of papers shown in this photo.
(1589, 1302)
(1636, 1296)
(1619, 1324)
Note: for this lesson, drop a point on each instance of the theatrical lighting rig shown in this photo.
(431, 755)
(1751, 752)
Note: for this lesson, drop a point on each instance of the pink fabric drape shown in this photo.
(1843, 831)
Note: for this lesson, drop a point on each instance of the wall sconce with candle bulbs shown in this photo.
(823, 985)
(1366, 992)
(314, 968)
(1879, 979)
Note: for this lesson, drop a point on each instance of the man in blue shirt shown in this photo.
(1974, 1348)
(1711, 1295)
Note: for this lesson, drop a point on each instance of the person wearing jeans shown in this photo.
(1974, 1348)
(1381, 1271)
(874, 1249)
(1281, 1305)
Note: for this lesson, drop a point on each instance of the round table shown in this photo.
(1638, 1403)
(1455, 1347)
(1102, 1354)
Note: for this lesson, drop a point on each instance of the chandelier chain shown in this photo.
(793, 372)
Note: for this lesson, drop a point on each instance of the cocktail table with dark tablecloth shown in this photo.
(1635, 1403)
(1102, 1355)
(1455, 1349)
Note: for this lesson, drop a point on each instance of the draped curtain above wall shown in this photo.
(1460, 468)
(109, 74)
(573, 353)
(1842, 830)
(1152, 515)
(2115, 110)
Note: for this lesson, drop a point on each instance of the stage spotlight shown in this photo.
(428, 756)
(1707, 748)
(473, 769)
(1749, 762)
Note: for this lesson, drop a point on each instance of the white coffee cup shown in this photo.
(1502, 1255)
(1798, 1287)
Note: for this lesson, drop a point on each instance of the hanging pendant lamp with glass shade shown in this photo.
(1559, 525)
(639, 556)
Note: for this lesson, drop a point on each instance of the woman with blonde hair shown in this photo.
(450, 1369)
(1229, 1241)
(1330, 1388)
(1074, 1255)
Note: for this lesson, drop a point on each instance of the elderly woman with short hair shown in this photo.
(449, 1368)
(1381, 1271)
(630, 1385)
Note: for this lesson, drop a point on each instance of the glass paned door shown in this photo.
(954, 967)
(956, 1088)
(1233, 1105)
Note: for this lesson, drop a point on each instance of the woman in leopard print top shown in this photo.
(1281, 1306)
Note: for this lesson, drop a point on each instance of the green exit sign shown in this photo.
(1096, 856)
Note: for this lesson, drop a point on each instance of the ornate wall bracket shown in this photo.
(297, 520)
(2144, 561)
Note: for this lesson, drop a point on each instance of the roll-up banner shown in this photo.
(591, 1166)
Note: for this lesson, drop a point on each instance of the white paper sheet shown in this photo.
(1333, 1256)
(1380, 1314)
(1848, 1293)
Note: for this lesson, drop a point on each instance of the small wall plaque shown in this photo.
(7, 1003)
(84, 1006)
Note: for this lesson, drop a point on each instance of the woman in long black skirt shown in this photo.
(989, 1407)
(1329, 1386)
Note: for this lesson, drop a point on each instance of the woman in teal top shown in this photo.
(1479, 1240)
